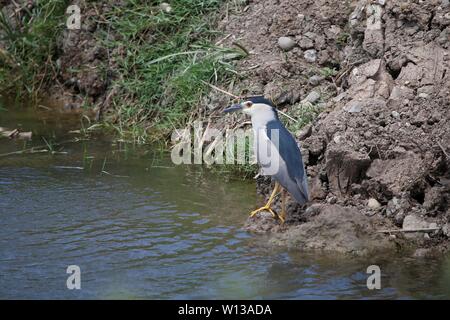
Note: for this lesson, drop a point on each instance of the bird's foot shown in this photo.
(266, 208)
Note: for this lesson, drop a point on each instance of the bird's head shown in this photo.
(254, 106)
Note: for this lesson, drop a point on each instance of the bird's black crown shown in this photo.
(259, 99)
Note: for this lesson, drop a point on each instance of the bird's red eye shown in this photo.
(248, 104)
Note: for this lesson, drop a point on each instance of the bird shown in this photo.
(284, 162)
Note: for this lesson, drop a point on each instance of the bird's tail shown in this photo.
(302, 195)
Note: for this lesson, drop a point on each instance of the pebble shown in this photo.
(337, 139)
(331, 199)
(353, 108)
(395, 115)
(286, 43)
(312, 97)
(310, 55)
(373, 203)
(423, 95)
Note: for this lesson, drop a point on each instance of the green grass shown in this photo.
(164, 60)
(167, 60)
(26, 62)
(304, 113)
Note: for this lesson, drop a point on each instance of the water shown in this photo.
(147, 229)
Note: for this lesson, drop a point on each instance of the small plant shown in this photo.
(304, 113)
(328, 72)
(26, 61)
(342, 39)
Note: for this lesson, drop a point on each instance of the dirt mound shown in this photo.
(382, 143)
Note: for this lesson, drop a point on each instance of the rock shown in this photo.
(373, 204)
(315, 80)
(423, 95)
(313, 209)
(312, 97)
(392, 207)
(310, 55)
(353, 107)
(412, 222)
(337, 139)
(365, 71)
(286, 43)
(395, 115)
(331, 199)
(335, 229)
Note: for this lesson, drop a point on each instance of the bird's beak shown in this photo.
(233, 108)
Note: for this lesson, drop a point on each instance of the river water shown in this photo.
(140, 227)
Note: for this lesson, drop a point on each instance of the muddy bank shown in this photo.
(377, 157)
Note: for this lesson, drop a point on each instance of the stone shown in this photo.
(412, 222)
(310, 55)
(337, 139)
(353, 107)
(312, 97)
(373, 204)
(286, 43)
(395, 115)
(367, 70)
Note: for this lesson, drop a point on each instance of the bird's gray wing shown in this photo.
(291, 174)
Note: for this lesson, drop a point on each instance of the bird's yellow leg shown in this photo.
(267, 207)
(282, 216)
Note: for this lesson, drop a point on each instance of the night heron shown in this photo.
(276, 152)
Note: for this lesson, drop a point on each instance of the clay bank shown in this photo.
(377, 156)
